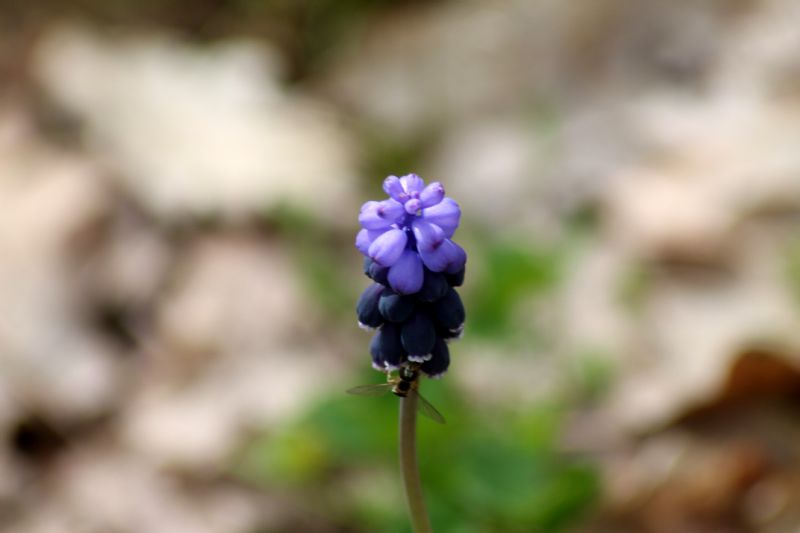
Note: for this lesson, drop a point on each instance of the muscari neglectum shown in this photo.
(415, 266)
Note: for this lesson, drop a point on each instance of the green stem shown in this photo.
(408, 464)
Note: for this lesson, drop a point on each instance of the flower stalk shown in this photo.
(408, 465)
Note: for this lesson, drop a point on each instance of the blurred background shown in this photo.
(179, 186)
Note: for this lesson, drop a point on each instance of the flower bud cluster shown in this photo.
(415, 266)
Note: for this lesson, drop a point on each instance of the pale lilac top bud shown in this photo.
(380, 215)
(432, 194)
(412, 184)
(413, 206)
(386, 249)
(365, 237)
(391, 210)
(394, 189)
(446, 214)
(447, 257)
(429, 236)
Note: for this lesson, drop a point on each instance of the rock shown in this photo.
(51, 358)
(234, 294)
(199, 425)
(199, 131)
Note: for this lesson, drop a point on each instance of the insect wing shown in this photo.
(425, 407)
(374, 389)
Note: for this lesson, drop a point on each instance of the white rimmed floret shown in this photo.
(456, 334)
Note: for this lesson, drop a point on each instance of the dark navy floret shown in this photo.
(375, 352)
(449, 311)
(457, 279)
(439, 362)
(434, 286)
(418, 336)
(367, 308)
(449, 334)
(395, 307)
(390, 346)
(378, 273)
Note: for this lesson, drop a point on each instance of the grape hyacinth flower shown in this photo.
(414, 265)
(410, 255)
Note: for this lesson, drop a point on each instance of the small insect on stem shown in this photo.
(405, 383)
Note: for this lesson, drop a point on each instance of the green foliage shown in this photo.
(482, 472)
(511, 273)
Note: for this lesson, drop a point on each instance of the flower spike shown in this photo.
(414, 263)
